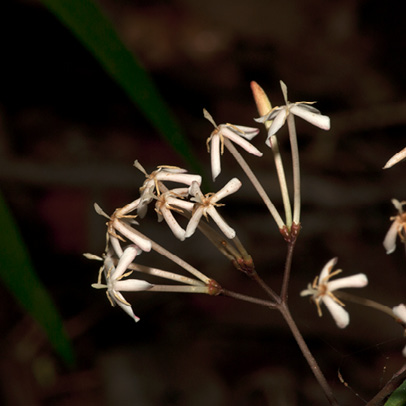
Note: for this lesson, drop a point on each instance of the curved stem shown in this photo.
(254, 180)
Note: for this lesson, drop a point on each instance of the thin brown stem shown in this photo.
(249, 299)
(288, 267)
(283, 308)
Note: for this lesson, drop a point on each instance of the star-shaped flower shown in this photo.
(305, 110)
(206, 206)
(115, 284)
(322, 291)
(398, 228)
(153, 182)
(237, 134)
(172, 200)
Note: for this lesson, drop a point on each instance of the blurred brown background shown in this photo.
(69, 136)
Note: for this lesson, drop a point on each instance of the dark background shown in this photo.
(69, 136)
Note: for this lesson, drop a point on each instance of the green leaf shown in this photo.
(398, 397)
(18, 275)
(94, 30)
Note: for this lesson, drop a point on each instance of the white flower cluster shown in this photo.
(183, 208)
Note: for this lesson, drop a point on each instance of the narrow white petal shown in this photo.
(92, 256)
(327, 269)
(400, 156)
(128, 309)
(209, 117)
(231, 187)
(185, 178)
(126, 230)
(222, 225)
(400, 312)
(354, 281)
(115, 243)
(126, 258)
(340, 315)
(215, 156)
(195, 191)
(247, 132)
(398, 205)
(389, 241)
(176, 229)
(140, 167)
(194, 221)
(131, 285)
(278, 122)
(179, 203)
(309, 115)
(284, 91)
(243, 143)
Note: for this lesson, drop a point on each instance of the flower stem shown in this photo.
(179, 288)
(249, 299)
(296, 168)
(282, 179)
(365, 302)
(254, 180)
(164, 274)
(127, 231)
(286, 273)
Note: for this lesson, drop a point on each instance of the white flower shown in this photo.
(279, 114)
(398, 228)
(322, 291)
(237, 134)
(172, 200)
(206, 206)
(152, 184)
(115, 284)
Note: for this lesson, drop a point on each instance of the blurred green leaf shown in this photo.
(398, 397)
(94, 30)
(19, 277)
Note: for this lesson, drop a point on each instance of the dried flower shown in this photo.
(398, 228)
(301, 109)
(322, 291)
(237, 134)
(206, 206)
(115, 284)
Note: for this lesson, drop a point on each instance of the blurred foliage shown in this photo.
(18, 275)
(96, 33)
